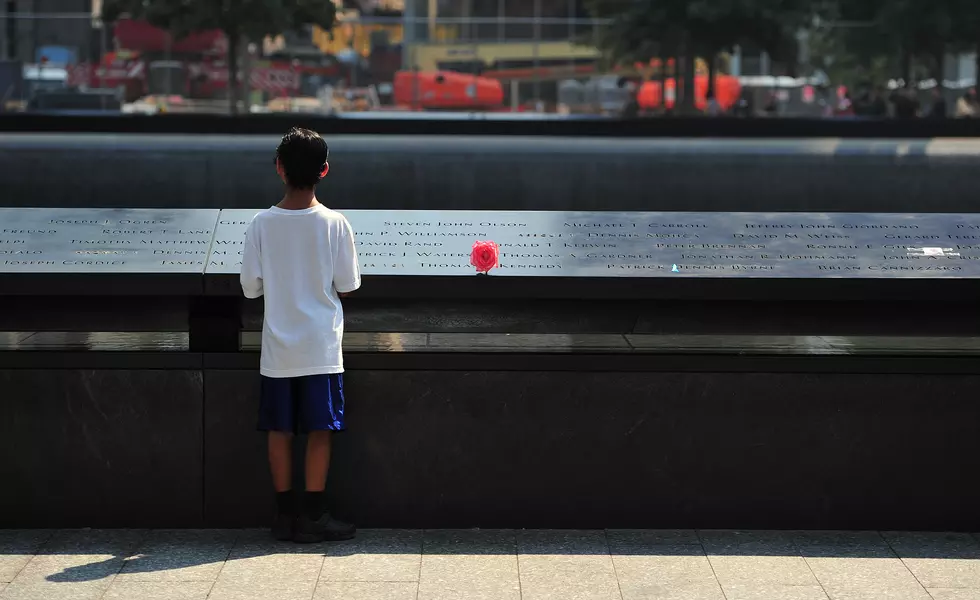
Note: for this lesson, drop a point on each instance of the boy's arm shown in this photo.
(251, 277)
(346, 274)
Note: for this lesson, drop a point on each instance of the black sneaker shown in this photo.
(282, 528)
(324, 529)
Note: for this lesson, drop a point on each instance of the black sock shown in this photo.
(286, 503)
(313, 504)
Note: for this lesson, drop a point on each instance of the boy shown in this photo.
(300, 255)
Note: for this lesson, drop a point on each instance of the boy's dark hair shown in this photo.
(303, 155)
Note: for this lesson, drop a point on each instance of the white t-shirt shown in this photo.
(299, 260)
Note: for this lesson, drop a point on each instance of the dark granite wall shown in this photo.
(91, 448)
(498, 173)
(579, 449)
(443, 448)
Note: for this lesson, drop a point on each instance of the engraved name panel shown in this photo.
(618, 244)
(105, 240)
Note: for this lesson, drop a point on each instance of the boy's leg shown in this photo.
(281, 460)
(318, 460)
(276, 417)
(315, 524)
(318, 446)
(322, 414)
(281, 466)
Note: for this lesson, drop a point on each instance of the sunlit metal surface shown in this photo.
(11, 339)
(505, 342)
(101, 341)
(527, 343)
(635, 244)
(532, 243)
(360, 341)
(70, 240)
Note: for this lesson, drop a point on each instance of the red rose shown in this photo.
(485, 256)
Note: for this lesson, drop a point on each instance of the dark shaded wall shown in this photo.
(499, 173)
(593, 449)
(701, 442)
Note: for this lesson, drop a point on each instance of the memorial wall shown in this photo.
(834, 396)
(532, 244)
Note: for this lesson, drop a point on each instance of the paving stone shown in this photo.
(79, 556)
(945, 572)
(814, 542)
(874, 592)
(262, 568)
(281, 588)
(626, 538)
(17, 547)
(773, 591)
(925, 544)
(783, 570)
(491, 565)
(954, 594)
(741, 558)
(158, 590)
(471, 565)
(939, 560)
(273, 565)
(877, 575)
(47, 590)
(375, 555)
(748, 543)
(472, 590)
(660, 572)
(566, 565)
(662, 565)
(366, 590)
(178, 555)
(562, 541)
(116, 541)
(651, 590)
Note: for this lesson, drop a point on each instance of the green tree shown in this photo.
(240, 20)
(922, 29)
(966, 30)
(641, 28)
(769, 25)
(849, 64)
(853, 45)
(874, 40)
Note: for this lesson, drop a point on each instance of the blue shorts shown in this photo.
(302, 404)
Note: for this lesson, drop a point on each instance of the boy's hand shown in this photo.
(343, 294)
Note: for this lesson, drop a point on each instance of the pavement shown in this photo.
(489, 565)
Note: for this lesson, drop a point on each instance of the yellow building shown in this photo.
(430, 57)
(444, 49)
(347, 34)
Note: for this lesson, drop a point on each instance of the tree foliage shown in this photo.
(897, 38)
(851, 40)
(240, 20)
(643, 29)
(638, 27)
(251, 19)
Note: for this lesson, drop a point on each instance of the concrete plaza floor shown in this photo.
(490, 565)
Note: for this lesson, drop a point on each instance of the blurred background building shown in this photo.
(540, 56)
